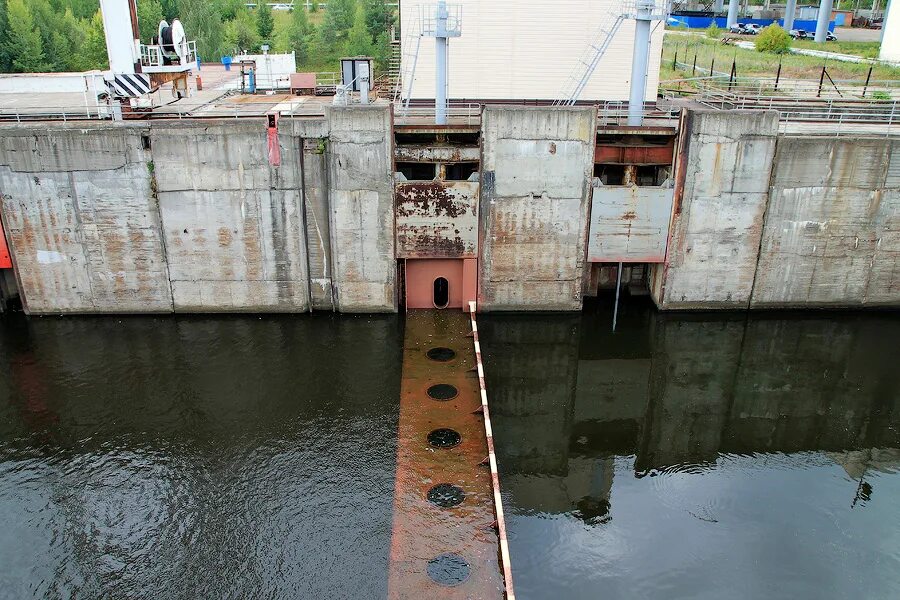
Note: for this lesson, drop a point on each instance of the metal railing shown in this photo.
(797, 89)
(616, 113)
(152, 55)
(457, 114)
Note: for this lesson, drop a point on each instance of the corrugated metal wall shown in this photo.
(526, 49)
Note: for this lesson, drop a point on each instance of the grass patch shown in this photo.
(751, 63)
(863, 49)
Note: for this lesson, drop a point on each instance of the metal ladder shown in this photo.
(412, 41)
(580, 76)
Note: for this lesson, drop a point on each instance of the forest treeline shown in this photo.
(67, 35)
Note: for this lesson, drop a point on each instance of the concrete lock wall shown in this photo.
(535, 184)
(831, 228)
(362, 208)
(82, 220)
(233, 222)
(721, 191)
(195, 216)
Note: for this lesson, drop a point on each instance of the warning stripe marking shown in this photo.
(506, 564)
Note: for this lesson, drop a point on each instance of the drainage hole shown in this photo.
(448, 569)
(446, 495)
(444, 438)
(441, 354)
(442, 392)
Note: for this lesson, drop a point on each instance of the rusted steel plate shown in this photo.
(629, 224)
(437, 153)
(422, 530)
(437, 219)
(634, 155)
(5, 259)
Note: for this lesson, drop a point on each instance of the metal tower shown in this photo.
(644, 12)
(441, 22)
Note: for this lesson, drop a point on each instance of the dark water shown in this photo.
(699, 456)
(197, 458)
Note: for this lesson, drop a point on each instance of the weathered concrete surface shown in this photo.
(362, 208)
(233, 222)
(721, 190)
(535, 185)
(81, 219)
(832, 230)
(629, 224)
(437, 219)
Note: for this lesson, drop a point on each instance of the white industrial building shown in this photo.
(527, 49)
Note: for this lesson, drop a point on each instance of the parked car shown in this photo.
(802, 34)
(736, 28)
(752, 28)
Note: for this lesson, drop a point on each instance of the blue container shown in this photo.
(226, 60)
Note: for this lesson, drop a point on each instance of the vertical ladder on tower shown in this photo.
(588, 62)
(412, 41)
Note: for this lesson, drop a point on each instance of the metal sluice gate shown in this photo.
(449, 533)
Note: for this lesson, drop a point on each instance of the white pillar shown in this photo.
(824, 18)
(890, 40)
(887, 15)
(640, 63)
(790, 12)
(440, 52)
(732, 12)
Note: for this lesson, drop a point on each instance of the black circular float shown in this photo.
(448, 569)
(443, 392)
(441, 354)
(446, 495)
(444, 438)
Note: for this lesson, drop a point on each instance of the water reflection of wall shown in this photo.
(677, 390)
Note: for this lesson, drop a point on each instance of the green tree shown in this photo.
(93, 53)
(313, 6)
(265, 22)
(5, 59)
(83, 9)
(773, 39)
(202, 23)
(300, 33)
(230, 8)
(241, 33)
(23, 39)
(338, 20)
(150, 13)
(382, 51)
(359, 42)
(170, 9)
(379, 17)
